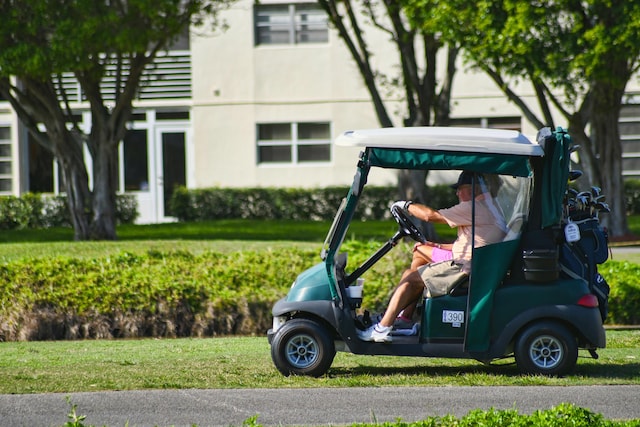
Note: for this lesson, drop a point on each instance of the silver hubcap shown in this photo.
(302, 351)
(546, 352)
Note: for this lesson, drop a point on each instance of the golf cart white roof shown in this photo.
(469, 140)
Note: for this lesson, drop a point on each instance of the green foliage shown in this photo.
(155, 294)
(624, 299)
(564, 414)
(175, 293)
(88, 40)
(126, 209)
(566, 44)
(75, 420)
(14, 213)
(632, 196)
(42, 37)
(290, 203)
(180, 293)
(44, 211)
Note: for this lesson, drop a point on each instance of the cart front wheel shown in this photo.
(302, 347)
(546, 348)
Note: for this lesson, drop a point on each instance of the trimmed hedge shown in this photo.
(290, 203)
(313, 204)
(180, 294)
(156, 294)
(632, 196)
(45, 211)
(624, 299)
(174, 294)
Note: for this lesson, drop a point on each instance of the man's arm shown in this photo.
(425, 213)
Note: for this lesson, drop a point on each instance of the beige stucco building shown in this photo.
(256, 105)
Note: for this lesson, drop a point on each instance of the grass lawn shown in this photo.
(240, 362)
(222, 236)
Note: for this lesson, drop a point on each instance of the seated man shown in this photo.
(490, 228)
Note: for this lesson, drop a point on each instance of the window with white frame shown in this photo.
(295, 23)
(629, 127)
(6, 186)
(294, 143)
(508, 122)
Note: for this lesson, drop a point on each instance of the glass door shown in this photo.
(174, 166)
(171, 166)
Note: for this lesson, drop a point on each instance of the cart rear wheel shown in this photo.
(302, 347)
(546, 348)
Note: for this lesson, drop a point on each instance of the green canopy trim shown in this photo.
(489, 265)
(555, 175)
(397, 158)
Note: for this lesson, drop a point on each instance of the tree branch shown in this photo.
(359, 53)
(530, 115)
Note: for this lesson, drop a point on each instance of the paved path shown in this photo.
(317, 407)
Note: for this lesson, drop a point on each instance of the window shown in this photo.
(294, 143)
(5, 160)
(136, 168)
(41, 168)
(629, 126)
(509, 123)
(290, 24)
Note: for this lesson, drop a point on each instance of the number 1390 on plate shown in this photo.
(450, 316)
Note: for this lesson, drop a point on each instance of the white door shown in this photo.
(154, 162)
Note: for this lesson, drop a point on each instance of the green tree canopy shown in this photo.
(41, 39)
(577, 55)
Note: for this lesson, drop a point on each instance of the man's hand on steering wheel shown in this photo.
(406, 223)
(402, 204)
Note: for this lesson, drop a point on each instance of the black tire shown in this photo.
(546, 348)
(302, 347)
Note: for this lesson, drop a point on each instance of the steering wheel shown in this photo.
(407, 225)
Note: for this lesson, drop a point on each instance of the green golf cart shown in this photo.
(533, 295)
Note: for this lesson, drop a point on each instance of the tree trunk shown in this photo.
(607, 101)
(76, 185)
(105, 171)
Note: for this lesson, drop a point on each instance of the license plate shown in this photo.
(453, 317)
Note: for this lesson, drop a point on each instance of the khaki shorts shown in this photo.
(441, 277)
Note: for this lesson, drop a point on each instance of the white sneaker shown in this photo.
(377, 333)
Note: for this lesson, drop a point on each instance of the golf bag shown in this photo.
(580, 259)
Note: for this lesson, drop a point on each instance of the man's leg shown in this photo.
(422, 254)
(409, 289)
(408, 292)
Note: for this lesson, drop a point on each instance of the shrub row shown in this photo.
(632, 196)
(154, 294)
(313, 204)
(181, 294)
(564, 414)
(289, 203)
(44, 211)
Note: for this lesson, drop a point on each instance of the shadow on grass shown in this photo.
(420, 370)
(604, 370)
(626, 372)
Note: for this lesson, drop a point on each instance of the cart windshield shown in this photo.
(511, 196)
(333, 235)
